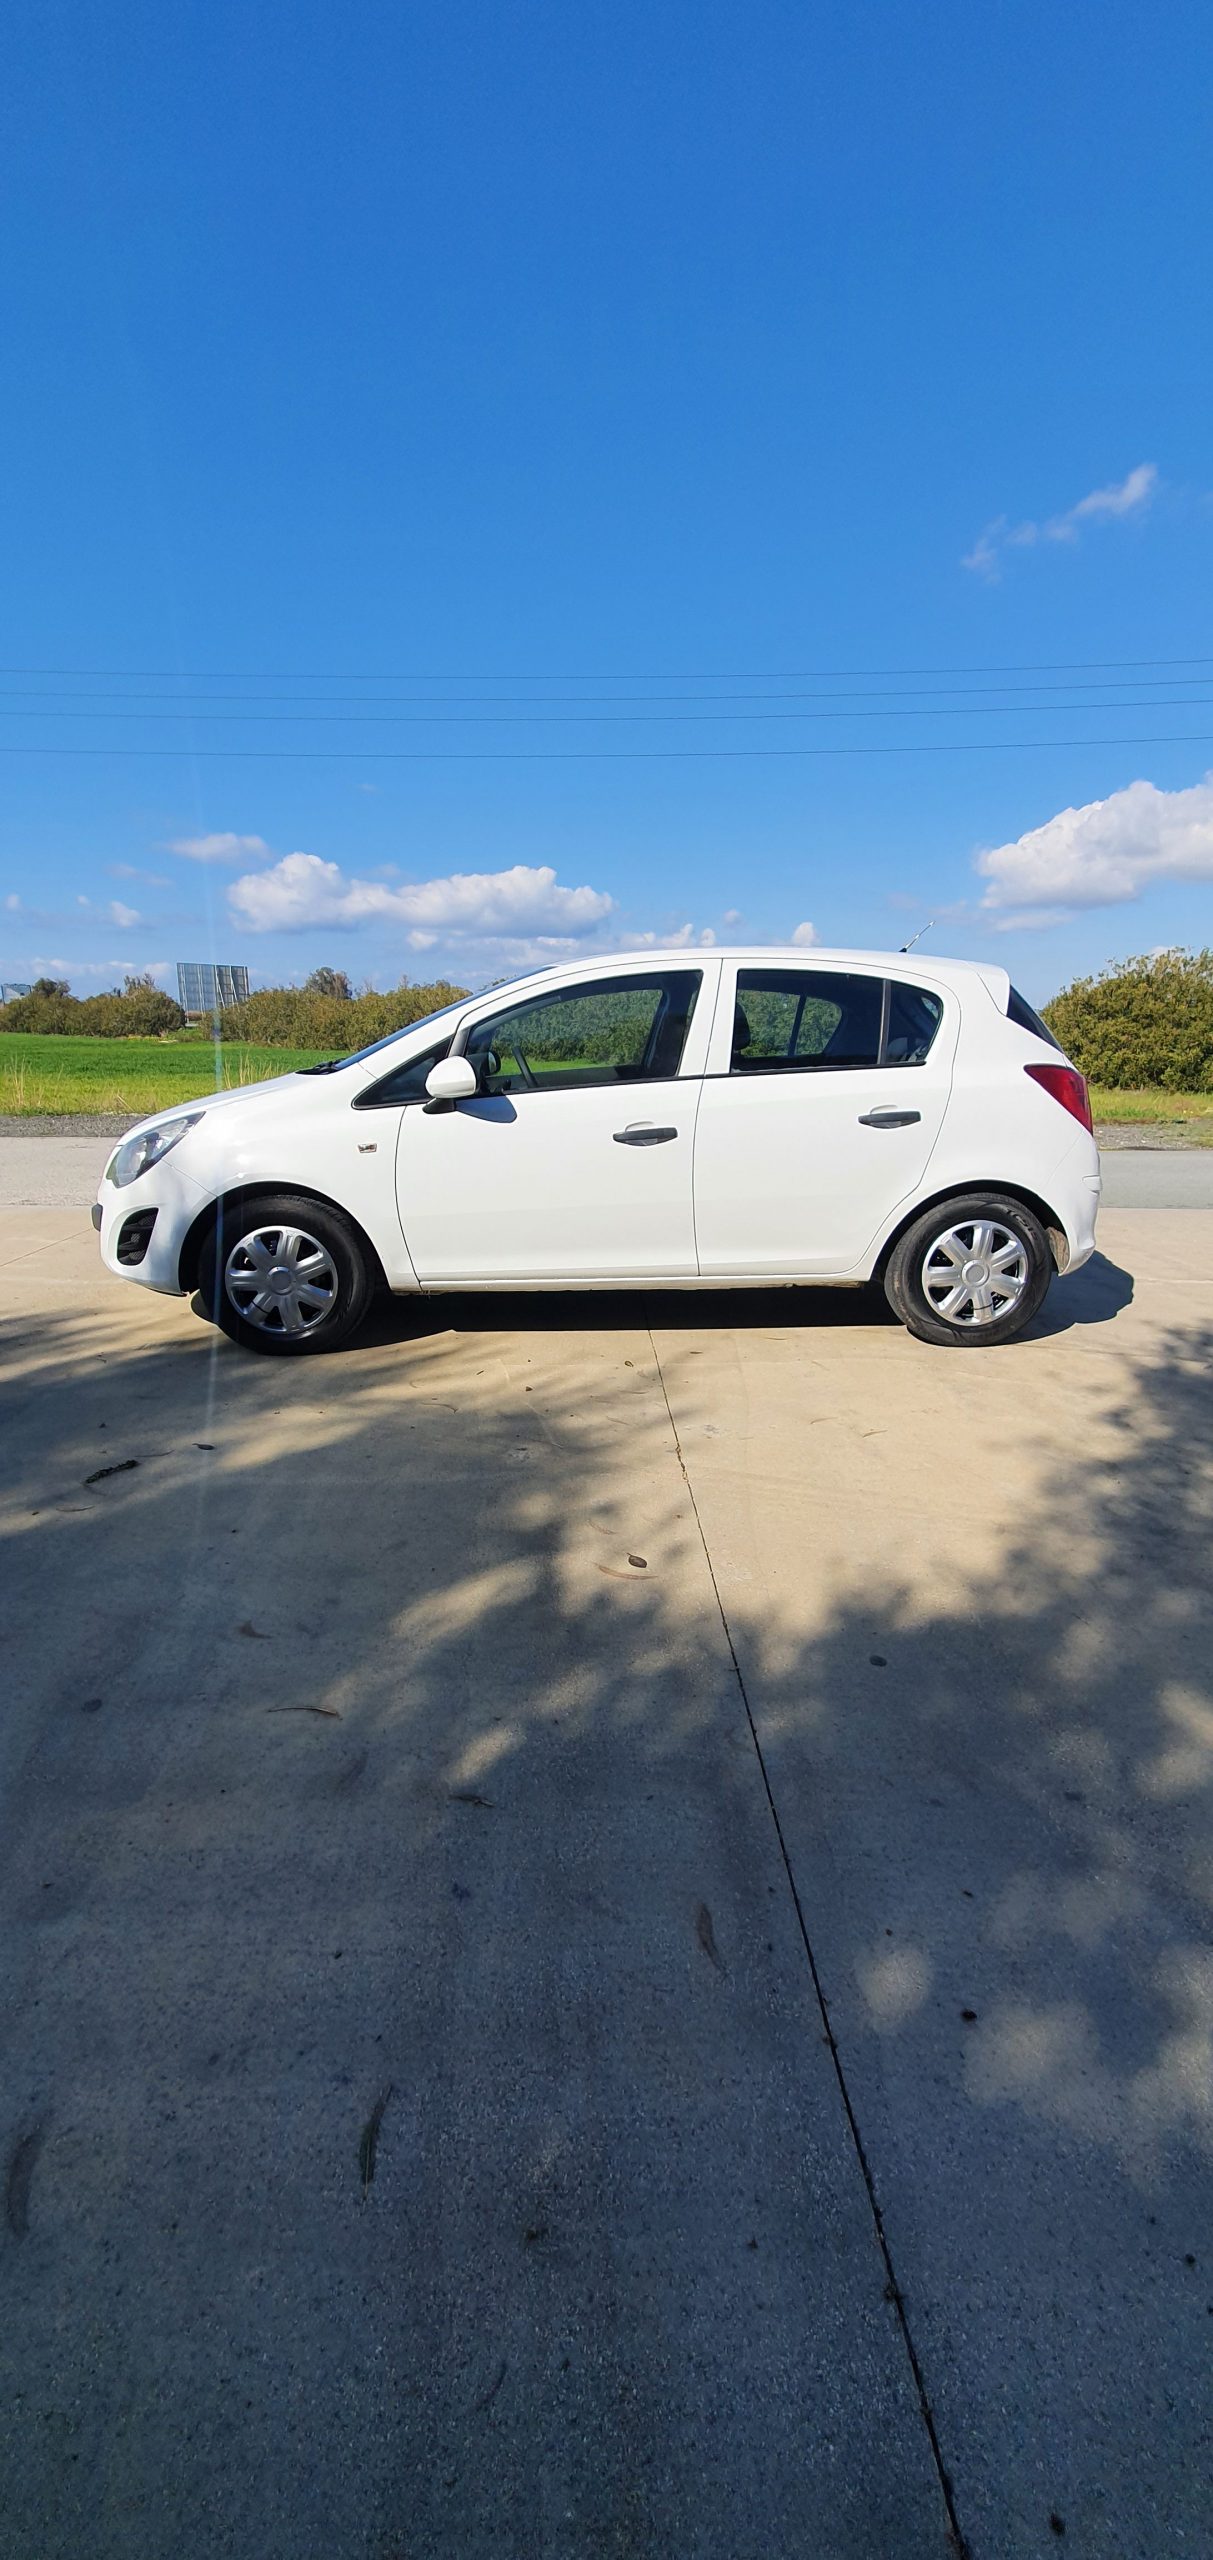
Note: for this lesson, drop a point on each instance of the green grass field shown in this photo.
(43, 1075)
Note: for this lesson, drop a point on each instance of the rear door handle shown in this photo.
(888, 1119)
(641, 1133)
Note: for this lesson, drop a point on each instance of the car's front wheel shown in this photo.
(973, 1271)
(285, 1274)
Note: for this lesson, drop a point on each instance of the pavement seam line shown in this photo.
(894, 2291)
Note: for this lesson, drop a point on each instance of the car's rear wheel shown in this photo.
(285, 1274)
(972, 1272)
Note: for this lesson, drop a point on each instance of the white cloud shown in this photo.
(1109, 850)
(125, 916)
(732, 915)
(682, 938)
(56, 966)
(12, 904)
(1030, 919)
(128, 871)
(218, 848)
(1123, 499)
(806, 935)
(1127, 497)
(302, 891)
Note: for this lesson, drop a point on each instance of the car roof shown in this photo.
(785, 955)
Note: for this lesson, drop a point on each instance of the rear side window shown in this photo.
(914, 1019)
(804, 1018)
(1021, 1012)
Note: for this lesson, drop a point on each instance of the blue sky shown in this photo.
(750, 379)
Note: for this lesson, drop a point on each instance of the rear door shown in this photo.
(825, 1095)
(573, 1162)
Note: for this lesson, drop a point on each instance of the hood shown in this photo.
(220, 1098)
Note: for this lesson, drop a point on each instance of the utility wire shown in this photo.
(619, 755)
(525, 702)
(608, 719)
(724, 675)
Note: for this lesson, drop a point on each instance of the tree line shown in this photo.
(1145, 1022)
(324, 1013)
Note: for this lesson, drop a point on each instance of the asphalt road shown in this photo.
(607, 1927)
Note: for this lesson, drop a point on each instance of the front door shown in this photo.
(819, 1118)
(573, 1162)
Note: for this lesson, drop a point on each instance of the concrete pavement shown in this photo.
(608, 1915)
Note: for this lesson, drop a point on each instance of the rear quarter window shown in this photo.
(914, 1018)
(1021, 1012)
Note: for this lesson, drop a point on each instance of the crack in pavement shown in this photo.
(893, 2292)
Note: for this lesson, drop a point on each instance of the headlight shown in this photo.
(135, 1155)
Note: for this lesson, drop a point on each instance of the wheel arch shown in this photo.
(242, 1196)
(1058, 1241)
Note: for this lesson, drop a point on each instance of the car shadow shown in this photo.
(1095, 1295)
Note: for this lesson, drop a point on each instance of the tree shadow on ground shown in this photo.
(419, 2133)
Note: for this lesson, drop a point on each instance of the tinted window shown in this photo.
(804, 1018)
(1020, 1011)
(407, 1084)
(914, 1019)
(608, 1031)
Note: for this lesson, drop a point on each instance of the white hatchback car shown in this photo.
(707, 1120)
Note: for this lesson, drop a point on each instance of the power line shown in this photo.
(523, 702)
(727, 675)
(618, 755)
(600, 719)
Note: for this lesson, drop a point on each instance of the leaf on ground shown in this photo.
(246, 1628)
(368, 2147)
(22, 2163)
(122, 1468)
(707, 1937)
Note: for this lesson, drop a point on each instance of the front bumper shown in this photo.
(166, 1203)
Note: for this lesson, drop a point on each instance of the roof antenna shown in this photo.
(917, 937)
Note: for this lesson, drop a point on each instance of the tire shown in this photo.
(1008, 1271)
(243, 1268)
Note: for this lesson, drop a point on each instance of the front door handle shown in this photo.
(641, 1133)
(888, 1119)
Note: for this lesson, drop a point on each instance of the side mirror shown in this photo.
(452, 1080)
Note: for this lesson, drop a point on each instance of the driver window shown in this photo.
(604, 1031)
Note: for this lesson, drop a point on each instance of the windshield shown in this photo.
(329, 1066)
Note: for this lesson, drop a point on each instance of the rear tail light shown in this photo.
(1067, 1087)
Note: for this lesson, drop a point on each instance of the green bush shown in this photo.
(294, 1018)
(138, 1013)
(274, 1018)
(1143, 1022)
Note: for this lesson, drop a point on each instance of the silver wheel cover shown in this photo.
(281, 1279)
(975, 1272)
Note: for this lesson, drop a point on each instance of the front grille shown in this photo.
(135, 1235)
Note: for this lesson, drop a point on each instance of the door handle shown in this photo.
(887, 1119)
(641, 1133)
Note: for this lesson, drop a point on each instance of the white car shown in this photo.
(721, 1119)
